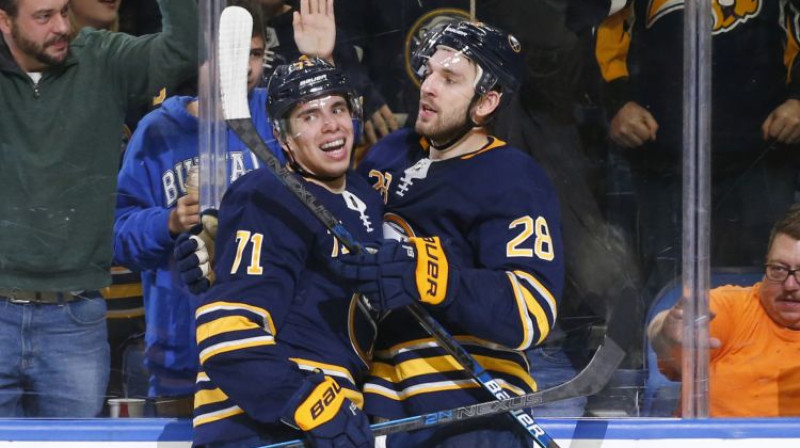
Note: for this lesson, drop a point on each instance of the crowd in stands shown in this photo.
(101, 143)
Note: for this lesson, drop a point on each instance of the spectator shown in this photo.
(754, 336)
(491, 219)
(386, 34)
(154, 206)
(278, 331)
(756, 120)
(282, 48)
(60, 149)
(98, 14)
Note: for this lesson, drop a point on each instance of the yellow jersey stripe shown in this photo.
(419, 344)
(208, 396)
(216, 416)
(541, 289)
(376, 389)
(414, 368)
(542, 323)
(227, 324)
(233, 306)
(438, 364)
(524, 313)
(493, 143)
(238, 344)
(127, 291)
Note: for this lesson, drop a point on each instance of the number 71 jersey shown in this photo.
(497, 215)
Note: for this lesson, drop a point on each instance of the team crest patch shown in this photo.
(727, 14)
(435, 18)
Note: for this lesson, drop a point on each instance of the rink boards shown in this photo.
(569, 433)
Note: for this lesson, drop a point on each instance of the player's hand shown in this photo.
(185, 215)
(632, 126)
(194, 252)
(399, 273)
(380, 124)
(783, 124)
(327, 417)
(315, 28)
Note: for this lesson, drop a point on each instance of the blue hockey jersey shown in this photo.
(276, 312)
(498, 218)
(154, 168)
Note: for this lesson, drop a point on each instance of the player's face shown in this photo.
(445, 95)
(38, 36)
(781, 300)
(321, 136)
(256, 69)
(99, 14)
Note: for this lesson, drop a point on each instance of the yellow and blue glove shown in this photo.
(394, 274)
(328, 418)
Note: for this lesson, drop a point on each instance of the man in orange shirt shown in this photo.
(754, 336)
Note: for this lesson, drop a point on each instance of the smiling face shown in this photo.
(445, 95)
(321, 136)
(100, 14)
(781, 300)
(38, 35)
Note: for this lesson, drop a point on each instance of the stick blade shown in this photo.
(235, 34)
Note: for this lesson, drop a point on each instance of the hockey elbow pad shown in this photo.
(327, 417)
(400, 273)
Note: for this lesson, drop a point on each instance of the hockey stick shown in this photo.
(589, 381)
(234, 48)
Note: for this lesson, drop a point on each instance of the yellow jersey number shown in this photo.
(542, 244)
(244, 237)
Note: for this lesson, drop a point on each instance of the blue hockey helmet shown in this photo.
(497, 53)
(305, 80)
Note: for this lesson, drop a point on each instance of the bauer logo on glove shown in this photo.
(398, 274)
(432, 270)
(321, 405)
(321, 409)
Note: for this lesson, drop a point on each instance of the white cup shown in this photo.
(126, 407)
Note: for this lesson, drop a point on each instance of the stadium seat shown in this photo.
(661, 395)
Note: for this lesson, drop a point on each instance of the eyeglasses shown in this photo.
(779, 274)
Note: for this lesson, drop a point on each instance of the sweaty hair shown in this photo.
(9, 6)
(789, 225)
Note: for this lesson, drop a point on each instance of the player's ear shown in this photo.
(486, 105)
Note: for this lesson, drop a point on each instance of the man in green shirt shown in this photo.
(63, 106)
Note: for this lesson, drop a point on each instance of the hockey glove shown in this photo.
(328, 418)
(399, 273)
(194, 252)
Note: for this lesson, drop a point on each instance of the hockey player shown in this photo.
(283, 345)
(154, 206)
(484, 254)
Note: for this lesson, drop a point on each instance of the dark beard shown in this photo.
(447, 135)
(35, 50)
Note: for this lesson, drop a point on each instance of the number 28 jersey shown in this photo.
(497, 215)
